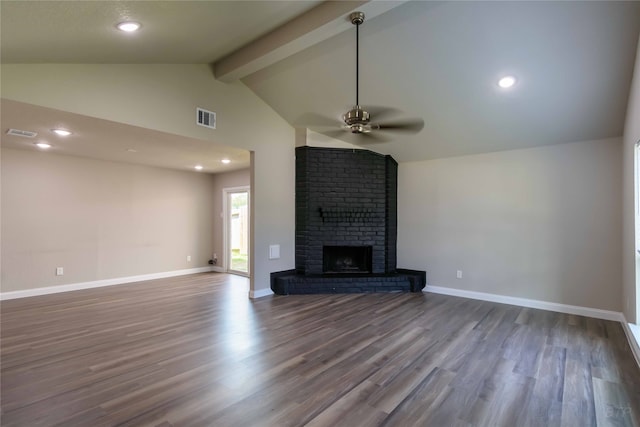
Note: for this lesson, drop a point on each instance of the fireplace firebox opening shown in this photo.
(346, 259)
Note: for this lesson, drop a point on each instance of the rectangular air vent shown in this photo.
(22, 133)
(206, 118)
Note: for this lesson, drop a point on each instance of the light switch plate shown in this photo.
(274, 251)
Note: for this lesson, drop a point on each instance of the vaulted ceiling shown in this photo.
(439, 61)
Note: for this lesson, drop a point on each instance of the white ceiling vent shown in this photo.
(206, 118)
(22, 133)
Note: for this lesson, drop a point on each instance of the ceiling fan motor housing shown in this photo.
(356, 119)
(356, 116)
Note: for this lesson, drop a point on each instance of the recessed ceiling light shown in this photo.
(61, 132)
(198, 167)
(506, 82)
(128, 26)
(226, 161)
(43, 145)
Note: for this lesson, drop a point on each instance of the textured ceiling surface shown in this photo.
(116, 142)
(173, 31)
(438, 61)
(441, 62)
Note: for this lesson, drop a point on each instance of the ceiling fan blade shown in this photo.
(409, 126)
(372, 138)
(315, 121)
(355, 138)
(378, 112)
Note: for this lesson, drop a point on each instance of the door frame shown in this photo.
(636, 225)
(226, 230)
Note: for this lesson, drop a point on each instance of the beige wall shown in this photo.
(239, 178)
(98, 219)
(630, 258)
(541, 223)
(164, 97)
(559, 233)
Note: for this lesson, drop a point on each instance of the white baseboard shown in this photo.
(633, 336)
(531, 303)
(260, 293)
(99, 283)
(218, 269)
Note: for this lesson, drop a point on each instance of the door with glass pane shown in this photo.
(237, 226)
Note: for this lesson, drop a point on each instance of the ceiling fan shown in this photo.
(365, 123)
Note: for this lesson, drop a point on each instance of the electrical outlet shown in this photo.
(188, 258)
(459, 274)
(59, 271)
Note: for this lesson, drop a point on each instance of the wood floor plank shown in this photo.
(417, 406)
(351, 409)
(614, 404)
(194, 351)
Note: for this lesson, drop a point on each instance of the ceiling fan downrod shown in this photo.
(356, 118)
(357, 18)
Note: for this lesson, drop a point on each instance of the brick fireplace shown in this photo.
(346, 225)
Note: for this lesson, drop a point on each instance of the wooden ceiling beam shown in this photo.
(318, 24)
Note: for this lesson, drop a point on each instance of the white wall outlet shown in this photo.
(459, 274)
(274, 251)
(59, 271)
(215, 256)
(188, 258)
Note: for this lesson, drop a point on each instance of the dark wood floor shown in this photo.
(194, 351)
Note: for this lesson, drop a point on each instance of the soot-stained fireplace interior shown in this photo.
(346, 259)
(346, 225)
